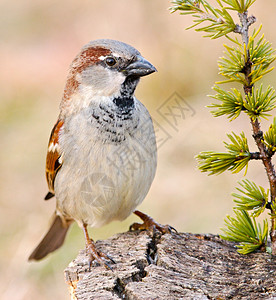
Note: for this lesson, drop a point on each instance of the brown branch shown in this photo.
(209, 17)
(258, 137)
(239, 29)
(255, 155)
(245, 23)
(264, 154)
(270, 171)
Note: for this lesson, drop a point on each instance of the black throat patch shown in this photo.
(125, 102)
(124, 105)
(116, 122)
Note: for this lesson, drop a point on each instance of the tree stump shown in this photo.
(176, 266)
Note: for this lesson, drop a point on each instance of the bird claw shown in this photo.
(150, 224)
(170, 229)
(94, 254)
(98, 256)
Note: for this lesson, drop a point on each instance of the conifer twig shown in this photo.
(257, 132)
(245, 63)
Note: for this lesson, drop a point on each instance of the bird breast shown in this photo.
(109, 162)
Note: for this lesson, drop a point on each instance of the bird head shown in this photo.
(105, 69)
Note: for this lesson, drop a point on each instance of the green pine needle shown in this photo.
(258, 103)
(239, 144)
(248, 55)
(188, 6)
(244, 230)
(220, 22)
(231, 103)
(261, 54)
(270, 137)
(255, 105)
(232, 64)
(239, 5)
(252, 197)
(235, 160)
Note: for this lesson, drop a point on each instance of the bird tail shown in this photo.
(53, 239)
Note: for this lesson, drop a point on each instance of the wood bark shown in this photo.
(176, 266)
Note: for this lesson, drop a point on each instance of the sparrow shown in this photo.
(101, 157)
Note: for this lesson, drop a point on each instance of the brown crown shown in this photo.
(85, 59)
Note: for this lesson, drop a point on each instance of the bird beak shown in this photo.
(140, 67)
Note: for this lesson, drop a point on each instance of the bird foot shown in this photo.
(97, 255)
(150, 224)
(94, 254)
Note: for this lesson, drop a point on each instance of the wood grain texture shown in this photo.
(177, 266)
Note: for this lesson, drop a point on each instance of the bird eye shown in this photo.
(110, 61)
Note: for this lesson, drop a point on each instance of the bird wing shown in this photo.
(53, 159)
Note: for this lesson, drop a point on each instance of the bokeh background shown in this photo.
(38, 41)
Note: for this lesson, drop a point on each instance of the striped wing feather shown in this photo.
(53, 159)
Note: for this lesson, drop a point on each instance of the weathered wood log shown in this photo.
(177, 266)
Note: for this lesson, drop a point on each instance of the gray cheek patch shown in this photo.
(95, 76)
(100, 78)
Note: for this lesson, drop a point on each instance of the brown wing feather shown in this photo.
(53, 161)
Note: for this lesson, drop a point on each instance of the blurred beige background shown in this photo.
(39, 39)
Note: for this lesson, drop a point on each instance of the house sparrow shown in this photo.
(101, 157)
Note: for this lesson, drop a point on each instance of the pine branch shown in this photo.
(257, 132)
(220, 21)
(266, 159)
(231, 103)
(246, 63)
(251, 197)
(257, 103)
(235, 160)
(255, 155)
(270, 139)
(245, 231)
